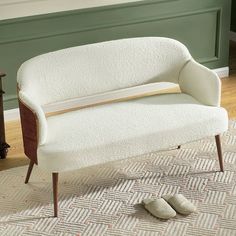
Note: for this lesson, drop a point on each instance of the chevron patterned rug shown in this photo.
(105, 200)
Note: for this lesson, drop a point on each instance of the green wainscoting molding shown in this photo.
(202, 25)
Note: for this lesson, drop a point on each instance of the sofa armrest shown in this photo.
(34, 110)
(201, 83)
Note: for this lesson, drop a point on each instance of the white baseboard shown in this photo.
(222, 72)
(14, 114)
(232, 36)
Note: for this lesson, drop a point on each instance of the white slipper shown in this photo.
(159, 208)
(181, 204)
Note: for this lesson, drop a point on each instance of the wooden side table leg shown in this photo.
(3, 150)
(3, 145)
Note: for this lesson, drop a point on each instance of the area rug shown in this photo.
(105, 200)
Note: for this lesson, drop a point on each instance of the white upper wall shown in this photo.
(20, 8)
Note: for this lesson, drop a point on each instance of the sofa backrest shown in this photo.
(101, 67)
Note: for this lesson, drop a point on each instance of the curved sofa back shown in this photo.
(101, 67)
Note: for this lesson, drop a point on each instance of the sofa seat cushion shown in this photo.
(119, 130)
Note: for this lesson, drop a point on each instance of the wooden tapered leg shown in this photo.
(55, 193)
(179, 147)
(219, 150)
(30, 168)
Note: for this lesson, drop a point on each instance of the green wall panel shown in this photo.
(202, 25)
(233, 16)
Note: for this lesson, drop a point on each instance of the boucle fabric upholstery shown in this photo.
(96, 68)
(115, 131)
(119, 130)
(201, 83)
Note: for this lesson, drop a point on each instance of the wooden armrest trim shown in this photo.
(29, 125)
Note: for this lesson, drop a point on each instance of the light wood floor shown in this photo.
(16, 155)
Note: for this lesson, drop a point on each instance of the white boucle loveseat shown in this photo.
(113, 131)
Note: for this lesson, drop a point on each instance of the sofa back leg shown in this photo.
(30, 168)
(55, 193)
(219, 150)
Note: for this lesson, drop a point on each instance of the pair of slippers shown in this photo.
(167, 206)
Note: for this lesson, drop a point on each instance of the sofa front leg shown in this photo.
(55, 193)
(30, 168)
(219, 151)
